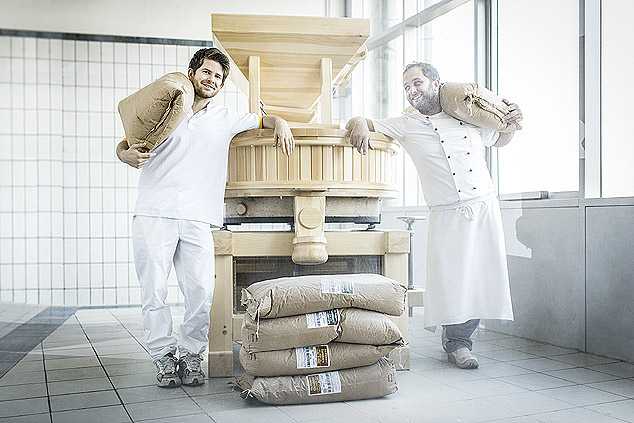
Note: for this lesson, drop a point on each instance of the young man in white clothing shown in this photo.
(181, 194)
(467, 277)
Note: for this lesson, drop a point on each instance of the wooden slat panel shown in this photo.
(270, 171)
(232, 167)
(316, 160)
(337, 163)
(241, 161)
(304, 162)
(327, 155)
(260, 163)
(347, 164)
(294, 164)
(254, 84)
(356, 165)
(282, 164)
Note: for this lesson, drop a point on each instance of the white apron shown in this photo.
(467, 276)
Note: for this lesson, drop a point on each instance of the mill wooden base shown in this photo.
(392, 246)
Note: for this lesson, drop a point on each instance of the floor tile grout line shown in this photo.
(104, 369)
(48, 394)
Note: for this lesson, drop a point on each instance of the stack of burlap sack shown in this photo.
(312, 339)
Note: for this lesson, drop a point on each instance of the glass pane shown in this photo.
(538, 68)
(248, 270)
(617, 148)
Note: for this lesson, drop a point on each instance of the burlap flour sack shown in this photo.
(311, 359)
(373, 381)
(151, 114)
(474, 104)
(350, 325)
(306, 294)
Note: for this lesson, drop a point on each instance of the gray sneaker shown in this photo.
(189, 370)
(463, 358)
(166, 372)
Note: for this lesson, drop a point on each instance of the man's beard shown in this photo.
(429, 101)
(204, 94)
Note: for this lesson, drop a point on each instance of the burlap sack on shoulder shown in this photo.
(373, 381)
(311, 359)
(350, 325)
(474, 104)
(151, 114)
(306, 294)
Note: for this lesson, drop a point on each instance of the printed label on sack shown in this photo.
(324, 383)
(337, 287)
(322, 318)
(313, 356)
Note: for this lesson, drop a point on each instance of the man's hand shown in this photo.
(360, 136)
(132, 156)
(282, 135)
(514, 115)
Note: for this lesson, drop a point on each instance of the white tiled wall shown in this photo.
(65, 199)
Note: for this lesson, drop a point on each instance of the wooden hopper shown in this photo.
(288, 66)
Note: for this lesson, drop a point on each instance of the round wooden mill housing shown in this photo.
(286, 65)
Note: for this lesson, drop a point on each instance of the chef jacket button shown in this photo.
(461, 123)
(435, 129)
(459, 191)
(449, 157)
(470, 170)
(442, 141)
(474, 187)
(464, 136)
(454, 173)
(468, 152)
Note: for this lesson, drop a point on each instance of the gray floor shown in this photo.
(94, 368)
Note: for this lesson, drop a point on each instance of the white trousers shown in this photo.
(158, 242)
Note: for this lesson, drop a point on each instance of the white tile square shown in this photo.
(6, 230)
(83, 297)
(107, 75)
(83, 250)
(107, 52)
(182, 56)
(145, 75)
(19, 198)
(96, 181)
(120, 52)
(19, 277)
(30, 47)
(19, 168)
(55, 48)
(5, 119)
(170, 54)
(68, 73)
(82, 75)
(57, 275)
(30, 229)
(43, 199)
(94, 51)
(70, 173)
(108, 198)
(17, 120)
(145, 53)
(5, 46)
(43, 130)
(31, 276)
(5, 91)
(6, 251)
(56, 99)
(17, 71)
(42, 48)
(96, 250)
(83, 226)
(30, 77)
(68, 125)
(44, 226)
(70, 297)
(120, 76)
(122, 224)
(82, 130)
(108, 274)
(109, 296)
(68, 50)
(17, 46)
(44, 275)
(30, 204)
(82, 100)
(96, 224)
(83, 275)
(70, 228)
(133, 73)
(123, 276)
(83, 169)
(44, 250)
(122, 253)
(158, 52)
(69, 98)
(57, 222)
(157, 71)
(5, 69)
(56, 152)
(30, 148)
(135, 295)
(81, 50)
(108, 105)
(57, 297)
(108, 223)
(94, 99)
(109, 252)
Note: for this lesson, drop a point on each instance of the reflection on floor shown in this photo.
(95, 368)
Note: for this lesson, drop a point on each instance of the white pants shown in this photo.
(158, 242)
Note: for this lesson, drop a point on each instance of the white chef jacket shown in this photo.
(186, 179)
(467, 276)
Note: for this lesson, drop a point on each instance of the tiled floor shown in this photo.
(94, 368)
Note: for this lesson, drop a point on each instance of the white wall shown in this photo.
(185, 19)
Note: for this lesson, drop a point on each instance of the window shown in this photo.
(617, 148)
(538, 68)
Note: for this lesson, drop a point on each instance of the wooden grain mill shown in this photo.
(288, 66)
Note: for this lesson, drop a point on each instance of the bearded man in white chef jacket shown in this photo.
(467, 276)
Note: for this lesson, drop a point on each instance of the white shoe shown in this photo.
(166, 372)
(463, 358)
